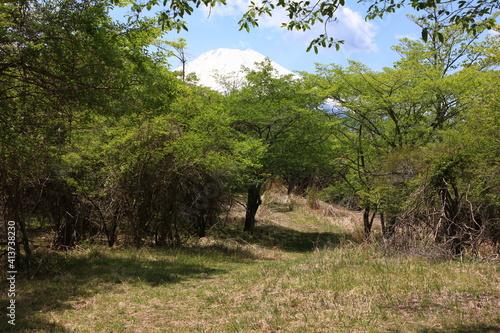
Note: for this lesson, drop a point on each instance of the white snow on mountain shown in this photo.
(212, 66)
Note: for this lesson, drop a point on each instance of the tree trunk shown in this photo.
(253, 203)
(382, 223)
(388, 222)
(201, 226)
(451, 209)
(65, 232)
(368, 221)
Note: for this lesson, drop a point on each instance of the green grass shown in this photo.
(297, 273)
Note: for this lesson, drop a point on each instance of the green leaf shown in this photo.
(425, 34)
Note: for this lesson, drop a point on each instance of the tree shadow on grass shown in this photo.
(286, 239)
(64, 278)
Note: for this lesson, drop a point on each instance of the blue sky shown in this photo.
(368, 42)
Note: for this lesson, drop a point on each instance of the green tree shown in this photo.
(286, 120)
(401, 132)
(163, 172)
(62, 62)
(395, 111)
(451, 51)
(461, 185)
(379, 113)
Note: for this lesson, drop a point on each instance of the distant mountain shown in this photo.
(226, 63)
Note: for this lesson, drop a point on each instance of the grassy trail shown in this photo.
(302, 271)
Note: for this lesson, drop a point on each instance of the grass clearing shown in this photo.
(299, 272)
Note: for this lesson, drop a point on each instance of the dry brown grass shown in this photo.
(325, 214)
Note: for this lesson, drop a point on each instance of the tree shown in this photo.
(46, 80)
(62, 63)
(452, 50)
(455, 200)
(179, 52)
(285, 119)
(391, 113)
(470, 15)
(163, 172)
(378, 113)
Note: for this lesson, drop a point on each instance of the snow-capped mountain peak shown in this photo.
(213, 65)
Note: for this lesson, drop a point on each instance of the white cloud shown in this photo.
(358, 34)
(279, 16)
(233, 8)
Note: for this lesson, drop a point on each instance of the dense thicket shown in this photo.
(413, 150)
(98, 140)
